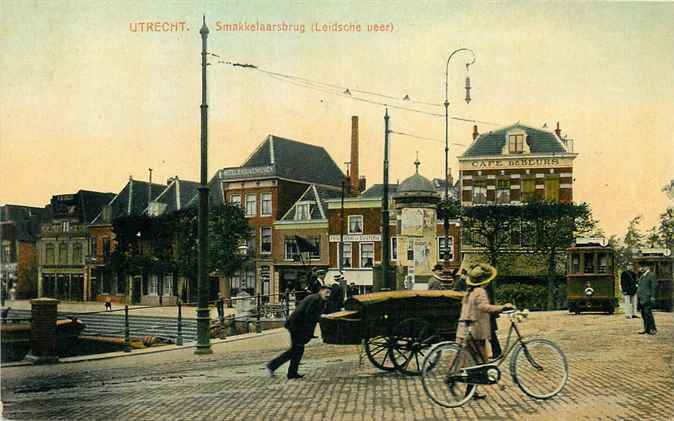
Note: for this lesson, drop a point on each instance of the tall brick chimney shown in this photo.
(475, 132)
(558, 131)
(354, 177)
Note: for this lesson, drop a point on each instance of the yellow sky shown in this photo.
(86, 102)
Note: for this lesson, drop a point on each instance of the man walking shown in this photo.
(628, 286)
(646, 297)
(301, 325)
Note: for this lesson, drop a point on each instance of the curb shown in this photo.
(151, 350)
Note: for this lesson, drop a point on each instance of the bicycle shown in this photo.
(450, 374)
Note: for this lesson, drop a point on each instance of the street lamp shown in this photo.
(446, 104)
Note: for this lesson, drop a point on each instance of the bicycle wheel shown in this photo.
(442, 362)
(539, 368)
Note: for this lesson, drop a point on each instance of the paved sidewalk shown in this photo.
(188, 312)
(616, 374)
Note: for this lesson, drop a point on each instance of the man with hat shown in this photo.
(336, 301)
(301, 325)
(475, 309)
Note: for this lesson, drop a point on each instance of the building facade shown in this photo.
(64, 243)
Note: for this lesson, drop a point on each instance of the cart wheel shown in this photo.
(410, 344)
(378, 350)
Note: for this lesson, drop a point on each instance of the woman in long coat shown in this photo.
(475, 307)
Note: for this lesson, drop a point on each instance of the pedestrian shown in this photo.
(336, 301)
(475, 311)
(646, 297)
(315, 280)
(220, 304)
(628, 286)
(460, 283)
(108, 303)
(301, 325)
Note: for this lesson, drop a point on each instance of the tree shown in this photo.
(666, 227)
(634, 239)
(557, 226)
(488, 228)
(653, 238)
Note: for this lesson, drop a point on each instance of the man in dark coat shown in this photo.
(336, 301)
(628, 286)
(301, 325)
(646, 296)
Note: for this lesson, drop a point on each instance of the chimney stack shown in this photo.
(355, 179)
(558, 131)
(475, 132)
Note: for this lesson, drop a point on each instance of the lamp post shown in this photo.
(385, 266)
(203, 313)
(446, 104)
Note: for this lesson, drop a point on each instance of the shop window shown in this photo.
(153, 285)
(480, 193)
(552, 189)
(167, 286)
(528, 190)
(366, 255)
(503, 191)
(346, 255)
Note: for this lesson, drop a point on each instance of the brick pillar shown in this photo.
(43, 331)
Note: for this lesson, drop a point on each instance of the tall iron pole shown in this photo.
(445, 254)
(386, 260)
(340, 254)
(203, 313)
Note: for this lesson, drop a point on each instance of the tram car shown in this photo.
(591, 276)
(662, 264)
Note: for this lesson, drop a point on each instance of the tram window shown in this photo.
(589, 263)
(575, 263)
(603, 263)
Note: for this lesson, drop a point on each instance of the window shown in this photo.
(366, 255)
(235, 200)
(236, 280)
(302, 212)
(66, 226)
(479, 193)
(356, 224)
(251, 204)
(442, 248)
(93, 245)
(503, 191)
(575, 263)
(249, 283)
(77, 253)
(106, 247)
(63, 253)
(6, 253)
(346, 255)
(250, 242)
(394, 248)
(316, 241)
(528, 189)
(153, 285)
(410, 250)
(516, 143)
(588, 264)
(603, 263)
(50, 254)
(552, 189)
(168, 284)
(265, 240)
(265, 198)
(291, 249)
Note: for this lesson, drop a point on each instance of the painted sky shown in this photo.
(86, 102)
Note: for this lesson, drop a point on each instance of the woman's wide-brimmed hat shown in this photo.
(480, 274)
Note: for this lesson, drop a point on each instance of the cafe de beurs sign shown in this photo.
(509, 163)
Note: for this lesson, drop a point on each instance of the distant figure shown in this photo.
(460, 283)
(646, 296)
(351, 290)
(108, 303)
(628, 286)
(336, 301)
(220, 304)
(12, 294)
(301, 325)
(5, 312)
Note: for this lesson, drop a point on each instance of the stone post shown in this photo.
(43, 331)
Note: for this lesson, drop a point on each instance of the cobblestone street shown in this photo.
(616, 374)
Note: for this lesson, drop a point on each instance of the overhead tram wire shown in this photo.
(332, 89)
(426, 138)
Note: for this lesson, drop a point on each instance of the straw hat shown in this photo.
(480, 274)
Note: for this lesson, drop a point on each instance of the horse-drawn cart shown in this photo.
(395, 327)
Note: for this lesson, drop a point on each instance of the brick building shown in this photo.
(132, 200)
(19, 233)
(511, 166)
(266, 186)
